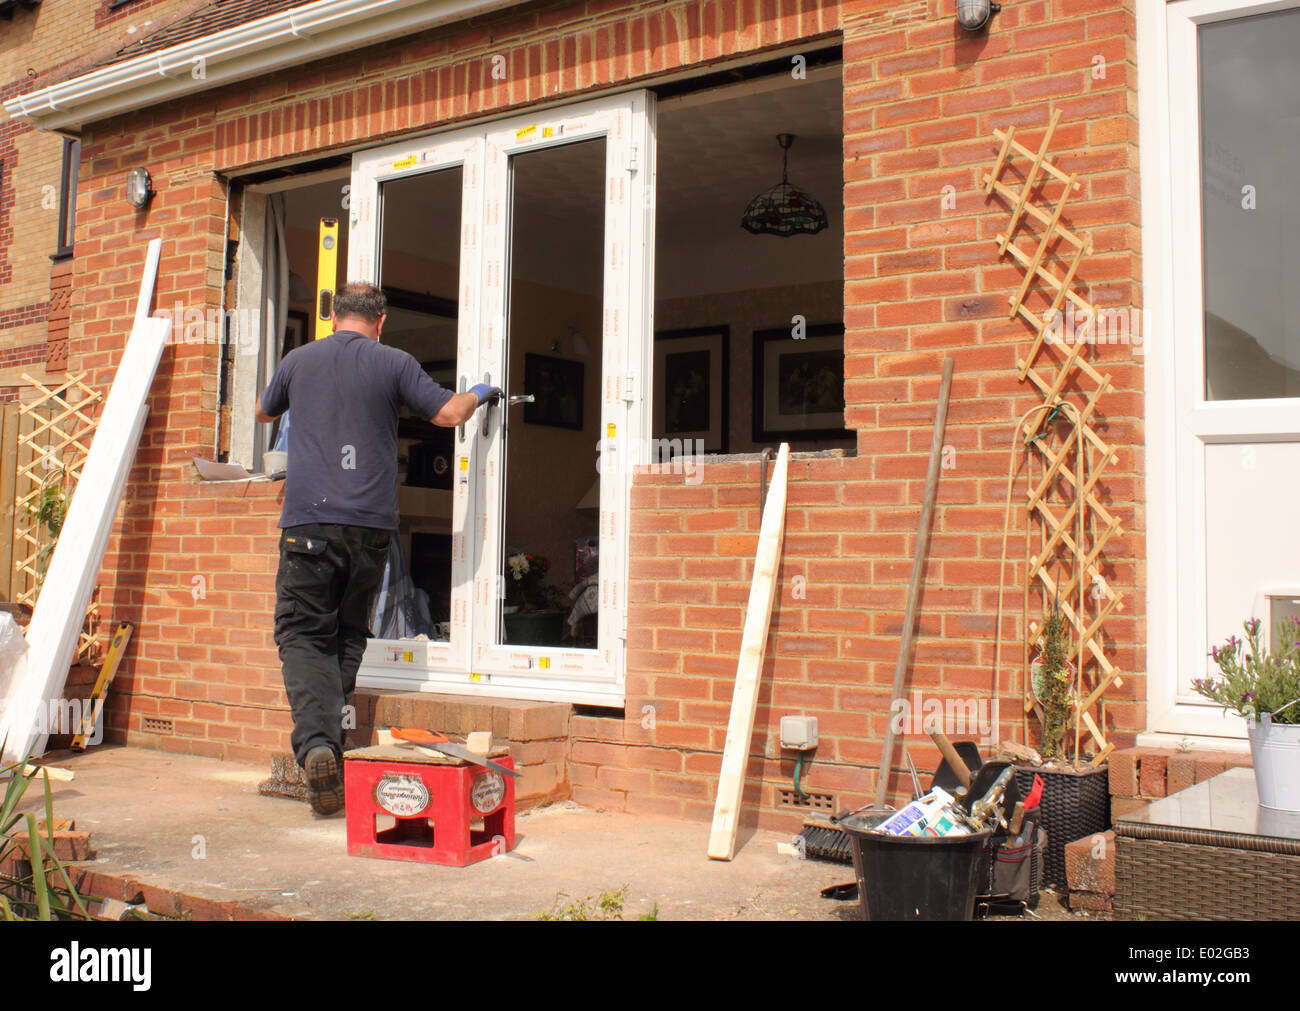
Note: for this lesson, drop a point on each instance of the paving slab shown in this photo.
(198, 825)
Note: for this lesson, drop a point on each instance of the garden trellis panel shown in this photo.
(1067, 524)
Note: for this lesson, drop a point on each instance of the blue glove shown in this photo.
(487, 394)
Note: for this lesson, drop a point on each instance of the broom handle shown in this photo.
(918, 571)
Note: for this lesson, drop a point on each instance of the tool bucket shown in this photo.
(914, 878)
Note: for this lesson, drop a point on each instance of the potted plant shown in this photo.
(533, 611)
(1263, 686)
(1076, 797)
(1051, 676)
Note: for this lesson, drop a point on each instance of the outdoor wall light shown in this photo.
(973, 15)
(139, 187)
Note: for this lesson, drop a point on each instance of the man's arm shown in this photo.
(456, 411)
(461, 407)
(262, 416)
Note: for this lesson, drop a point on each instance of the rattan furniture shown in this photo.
(1209, 852)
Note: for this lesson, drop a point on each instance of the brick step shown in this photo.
(537, 734)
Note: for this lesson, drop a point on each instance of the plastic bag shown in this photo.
(401, 611)
(13, 645)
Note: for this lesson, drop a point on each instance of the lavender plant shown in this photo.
(1256, 680)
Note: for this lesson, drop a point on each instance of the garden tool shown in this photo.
(439, 742)
(990, 801)
(960, 769)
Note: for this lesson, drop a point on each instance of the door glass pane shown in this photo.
(1250, 149)
(552, 493)
(419, 265)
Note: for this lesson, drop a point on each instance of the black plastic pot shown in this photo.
(910, 878)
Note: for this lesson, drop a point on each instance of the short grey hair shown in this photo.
(360, 299)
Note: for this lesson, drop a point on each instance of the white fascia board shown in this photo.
(292, 38)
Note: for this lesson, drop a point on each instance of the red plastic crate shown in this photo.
(424, 809)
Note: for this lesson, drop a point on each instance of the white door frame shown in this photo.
(1179, 421)
(470, 664)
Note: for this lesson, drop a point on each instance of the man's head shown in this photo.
(361, 307)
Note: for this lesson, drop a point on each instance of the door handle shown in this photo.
(461, 387)
(521, 398)
(487, 411)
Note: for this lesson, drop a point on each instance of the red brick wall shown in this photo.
(208, 662)
(921, 281)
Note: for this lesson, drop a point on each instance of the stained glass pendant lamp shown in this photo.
(784, 209)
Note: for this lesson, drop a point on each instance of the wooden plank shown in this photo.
(749, 668)
(57, 618)
(918, 573)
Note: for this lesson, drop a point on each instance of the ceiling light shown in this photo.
(784, 209)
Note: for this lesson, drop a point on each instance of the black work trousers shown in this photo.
(324, 590)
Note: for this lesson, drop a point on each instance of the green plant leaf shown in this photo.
(36, 844)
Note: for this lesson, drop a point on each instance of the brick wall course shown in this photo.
(921, 279)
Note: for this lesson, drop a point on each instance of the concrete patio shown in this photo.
(198, 826)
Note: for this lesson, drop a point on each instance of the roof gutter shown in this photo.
(291, 38)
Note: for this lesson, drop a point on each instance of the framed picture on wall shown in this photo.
(556, 386)
(690, 386)
(799, 384)
(296, 332)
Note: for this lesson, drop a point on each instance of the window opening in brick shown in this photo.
(749, 345)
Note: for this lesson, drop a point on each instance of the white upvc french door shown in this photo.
(401, 662)
(479, 657)
(1223, 452)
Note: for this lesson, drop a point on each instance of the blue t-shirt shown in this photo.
(346, 391)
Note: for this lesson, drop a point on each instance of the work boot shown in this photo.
(324, 780)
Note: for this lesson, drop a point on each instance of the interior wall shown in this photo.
(746, 312)
(549, 470)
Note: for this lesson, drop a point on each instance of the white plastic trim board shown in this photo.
(74, 567)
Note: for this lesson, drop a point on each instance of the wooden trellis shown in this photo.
(55, 431)
(1067, 525)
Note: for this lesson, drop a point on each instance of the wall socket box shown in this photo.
(799, 733)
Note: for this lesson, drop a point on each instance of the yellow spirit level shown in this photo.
(327, 259)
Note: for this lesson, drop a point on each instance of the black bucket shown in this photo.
(914, 878)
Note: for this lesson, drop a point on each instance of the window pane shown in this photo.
(1250, 147)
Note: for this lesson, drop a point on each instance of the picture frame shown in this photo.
(692, 386)
(799, 384)
(557, 388)
(297, 331)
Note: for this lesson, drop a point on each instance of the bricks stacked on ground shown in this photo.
(1141, 775)
(1090, 870)
(192, 566)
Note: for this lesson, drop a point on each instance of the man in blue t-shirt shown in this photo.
(340, 509)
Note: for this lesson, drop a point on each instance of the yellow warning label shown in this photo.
(548, 131)
(544, 662)
(408, 657)
(464, 463)
(525, 131)
(611, 430)
(410, 161)
(476, 677)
